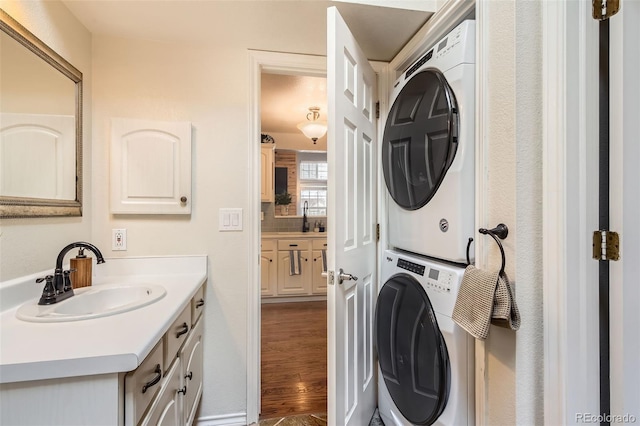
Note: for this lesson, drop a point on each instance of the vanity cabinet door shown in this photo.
(142, 384)
(191, 358)
(166, 410)
(197, 305)
(176, 336)
(150, 167)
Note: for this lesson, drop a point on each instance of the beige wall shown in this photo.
(28, 246)
(511, 193)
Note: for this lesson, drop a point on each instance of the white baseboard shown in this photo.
(293, 299)
(233, 419)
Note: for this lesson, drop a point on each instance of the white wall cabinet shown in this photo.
(276, 279)
(150, 167)
(267, 182)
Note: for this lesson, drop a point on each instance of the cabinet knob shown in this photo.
(183, 199)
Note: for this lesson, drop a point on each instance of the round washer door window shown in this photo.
(420, 139)
(412, 353)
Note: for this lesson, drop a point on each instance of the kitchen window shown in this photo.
(312, 182)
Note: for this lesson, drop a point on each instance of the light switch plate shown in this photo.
(230, 220)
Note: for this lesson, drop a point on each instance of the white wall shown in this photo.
(208, 85)
(32, 245)
(510, 193)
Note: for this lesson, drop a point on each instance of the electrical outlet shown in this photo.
(118, 239)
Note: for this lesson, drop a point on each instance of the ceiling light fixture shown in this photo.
(312, 128)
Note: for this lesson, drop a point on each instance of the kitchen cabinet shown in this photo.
(276, 279)
(318, 281)
(268, 268)
(267, 181)
(150, 170)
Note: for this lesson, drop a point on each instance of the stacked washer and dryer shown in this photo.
(426, 361)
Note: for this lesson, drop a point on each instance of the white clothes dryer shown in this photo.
(425, 360)
(428, 150)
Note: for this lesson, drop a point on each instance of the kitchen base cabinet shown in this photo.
(293, 285)
(277, 282)
(268, 268)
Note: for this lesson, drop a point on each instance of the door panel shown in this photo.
(351, 84)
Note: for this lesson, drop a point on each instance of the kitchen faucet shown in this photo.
(305, 223)
(58, 286)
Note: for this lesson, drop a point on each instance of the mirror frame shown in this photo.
(20, 207)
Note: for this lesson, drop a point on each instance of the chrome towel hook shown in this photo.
(498, 233)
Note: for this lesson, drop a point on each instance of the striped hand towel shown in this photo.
(295, 267)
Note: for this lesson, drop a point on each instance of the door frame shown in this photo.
(278, 63)
(570, 276)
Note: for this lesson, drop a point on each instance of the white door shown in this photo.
(625, 210)
(351, 156)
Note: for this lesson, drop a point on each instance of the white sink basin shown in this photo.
(93, 302)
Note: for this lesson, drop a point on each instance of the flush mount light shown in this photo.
(313, 128)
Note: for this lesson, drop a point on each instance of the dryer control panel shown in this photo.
(436, 279)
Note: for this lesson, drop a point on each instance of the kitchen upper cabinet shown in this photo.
(150, 167)
(267, 189)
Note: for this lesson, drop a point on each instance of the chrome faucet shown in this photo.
(58, 286)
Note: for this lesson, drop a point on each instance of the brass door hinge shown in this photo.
(605, 9)
(606, 245)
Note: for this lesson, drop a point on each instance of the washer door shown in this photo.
(412, 352)
(420, 139)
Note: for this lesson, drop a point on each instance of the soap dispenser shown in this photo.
(81, 270)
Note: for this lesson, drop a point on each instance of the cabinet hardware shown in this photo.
(155, 380)
(189, 376)
(183, 390)
(185, 330)
(200, 303)
(183, 199)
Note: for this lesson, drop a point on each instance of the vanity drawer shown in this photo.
(142, 384)
(267, 245)
(293, 244)
(197, 305)
(176, 335)
(319, 244)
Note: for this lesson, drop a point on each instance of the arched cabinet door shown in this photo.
(412, 352)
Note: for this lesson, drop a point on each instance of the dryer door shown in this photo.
(420, 139)
(412, 352)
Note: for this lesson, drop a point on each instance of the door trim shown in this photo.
(570, 286)
(278, 63)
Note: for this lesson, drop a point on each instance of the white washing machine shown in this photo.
(425, 360)
(428, 150)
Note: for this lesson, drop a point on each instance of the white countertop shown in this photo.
(112, 344)
(284, 235)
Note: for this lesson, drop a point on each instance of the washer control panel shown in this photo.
(412, 267)
(436, 279)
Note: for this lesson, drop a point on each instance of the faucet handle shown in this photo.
(49, 291)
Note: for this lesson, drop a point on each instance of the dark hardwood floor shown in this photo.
(294, 358)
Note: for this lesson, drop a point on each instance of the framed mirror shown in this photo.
(40, 127)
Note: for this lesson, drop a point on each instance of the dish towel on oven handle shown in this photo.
(485, 298)
(295, 267)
